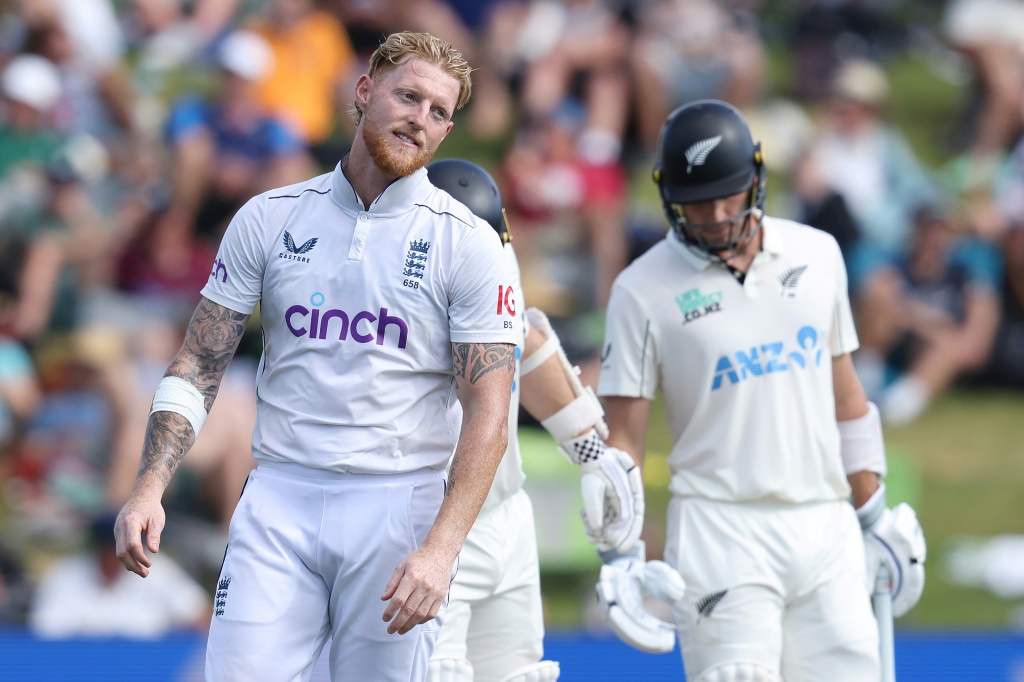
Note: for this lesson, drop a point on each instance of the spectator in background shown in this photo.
(990, 33)
(89, 594)
(826, 32)
(20, 395)
(313, 62)
(31, 90)
(870, 165)
(229, 148)
(687, 50)
(930, 317)
(556, 200)
(84, 40)
(585, 42)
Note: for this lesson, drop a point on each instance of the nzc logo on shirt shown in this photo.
(768, 359)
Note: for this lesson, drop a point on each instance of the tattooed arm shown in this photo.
(210, 342)
(483, 379)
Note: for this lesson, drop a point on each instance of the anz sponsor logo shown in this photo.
(334, 324)
(770, 358)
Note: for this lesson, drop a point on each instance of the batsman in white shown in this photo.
(743, 321)
(377, 305)
(494, 626)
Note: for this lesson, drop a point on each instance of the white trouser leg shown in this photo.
(264, 584)
(830, 632)
(750, 567)
(495, 618)
(304, 545)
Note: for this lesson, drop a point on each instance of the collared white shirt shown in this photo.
(359, 310)
(745, 369)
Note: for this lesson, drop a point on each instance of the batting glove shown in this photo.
(626, 579)
(894, 536)
(613, 492)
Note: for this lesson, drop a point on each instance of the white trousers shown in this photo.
(309, 555)
(779, 585)
(495, 619)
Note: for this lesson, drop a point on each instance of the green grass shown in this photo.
(970, 456)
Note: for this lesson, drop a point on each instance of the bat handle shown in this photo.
(881, 604)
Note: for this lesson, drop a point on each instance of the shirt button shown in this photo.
(363, 218)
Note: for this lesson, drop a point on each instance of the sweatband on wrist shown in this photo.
(861, 445)
(872, 510)
(177, 395)
(581, 414)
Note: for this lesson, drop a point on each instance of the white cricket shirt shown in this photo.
(745, 369)
(509, 478)
(359, 310)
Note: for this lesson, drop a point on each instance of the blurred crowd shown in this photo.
(131, 131)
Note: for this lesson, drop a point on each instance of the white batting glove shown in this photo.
(895, 537)
(613, 492)
(625, 580)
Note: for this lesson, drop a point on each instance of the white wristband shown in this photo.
(177, 395)
(581, 414)
(861, 445)
(872, 510)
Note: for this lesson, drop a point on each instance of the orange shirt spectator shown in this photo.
(312, 57)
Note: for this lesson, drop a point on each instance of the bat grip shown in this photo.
(881, 604)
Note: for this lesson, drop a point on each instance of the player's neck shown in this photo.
(366, 177)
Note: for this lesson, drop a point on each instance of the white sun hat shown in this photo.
(246, 54)
(32, 80)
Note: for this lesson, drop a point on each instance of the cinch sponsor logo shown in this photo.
(362, 327)
(769, 358)
(219, 270)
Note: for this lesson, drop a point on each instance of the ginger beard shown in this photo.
(391, 155)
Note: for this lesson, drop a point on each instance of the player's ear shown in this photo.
(363, 88)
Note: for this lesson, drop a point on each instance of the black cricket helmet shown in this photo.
(473, 187)
(706, 152)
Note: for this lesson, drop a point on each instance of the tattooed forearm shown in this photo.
(213, 335)
(474, 360)
(168, 437)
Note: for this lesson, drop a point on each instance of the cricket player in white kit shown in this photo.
(377, 304)
(494, 626)
(743, 321)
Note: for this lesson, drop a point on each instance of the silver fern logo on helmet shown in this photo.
(698, 152)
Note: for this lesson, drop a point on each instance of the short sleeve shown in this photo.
(282, 140)
(982, 262)
(236, 276)
(843, 336)
(187, 117)
(481, 296)
(15, 363)
(629, 357)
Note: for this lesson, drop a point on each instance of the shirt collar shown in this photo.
(771, 244)
(400, 195)
(771, 241)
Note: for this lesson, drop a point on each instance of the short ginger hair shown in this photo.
(400, 47)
